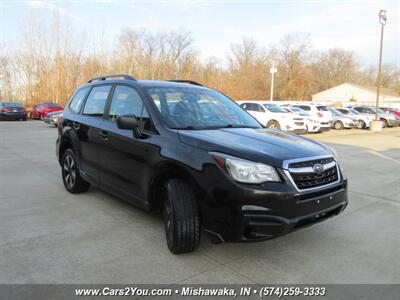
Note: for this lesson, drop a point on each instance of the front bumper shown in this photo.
(259, 225)
(233, 212)
(350, 125)
(393, 123)
(13, 115)
(297, 126)
(49, 121)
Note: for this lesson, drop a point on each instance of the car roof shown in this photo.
(148, 83)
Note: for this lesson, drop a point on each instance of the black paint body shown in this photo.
(136, 169)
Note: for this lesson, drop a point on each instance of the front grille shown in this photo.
(310, 179)
(310, 163)
(299, 123)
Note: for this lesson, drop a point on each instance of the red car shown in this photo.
(391, 110)
(39, 111)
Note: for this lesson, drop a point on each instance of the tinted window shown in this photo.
(304, 107)
(259, 108)
(344, 111)
(126, 101)
(251, 107)
(76, 102)
(275, 108)
(96, 101)
(322, 108)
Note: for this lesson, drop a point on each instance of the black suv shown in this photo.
(193, 154)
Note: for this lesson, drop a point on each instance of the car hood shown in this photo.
(267, 146)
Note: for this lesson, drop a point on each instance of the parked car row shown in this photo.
(309, 118)
(298, 118)
(48, 112)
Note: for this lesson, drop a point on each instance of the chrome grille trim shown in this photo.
(286, 170)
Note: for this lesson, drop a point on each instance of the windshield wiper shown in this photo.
(236, 126)
(187, 128)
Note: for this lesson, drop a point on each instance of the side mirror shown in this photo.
(129, 123)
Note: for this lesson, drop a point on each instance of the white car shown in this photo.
(273, 116)
(319, 111)
(364, 121)
(312, 123)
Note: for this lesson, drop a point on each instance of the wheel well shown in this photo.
(162, 174)
(270, 121)
(65, 143)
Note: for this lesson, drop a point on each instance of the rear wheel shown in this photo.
(338, 125)
(385, 123)
(72, 180)
(274, 125)
(360, 124)
(181, 217)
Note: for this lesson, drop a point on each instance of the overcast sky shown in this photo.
(214, 25)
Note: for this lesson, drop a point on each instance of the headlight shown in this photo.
(247, 171)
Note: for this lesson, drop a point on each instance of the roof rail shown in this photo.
(125, 76)
(187, 81)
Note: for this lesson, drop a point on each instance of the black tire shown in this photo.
(385, 123)
(23, 119)
(72, 180)
(274, 125)
(181, 217)
(338, 125)
(361, 124)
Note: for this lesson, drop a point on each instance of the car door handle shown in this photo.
(76, 126)
(103, 134)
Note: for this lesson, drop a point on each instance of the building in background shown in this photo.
(349, 93)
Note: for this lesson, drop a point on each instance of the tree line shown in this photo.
(52, 60)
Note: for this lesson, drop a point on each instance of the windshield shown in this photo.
(198, 108)
(381, 111)
(355, 112)
(10, 104)
(274, 108)
(335, 112)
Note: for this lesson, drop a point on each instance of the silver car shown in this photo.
(363, 121)
(341, 121)
(387, 119)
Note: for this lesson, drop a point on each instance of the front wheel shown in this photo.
(273, 125)
(72, 180)
(385, 123)
(338, 125)
(181, 217)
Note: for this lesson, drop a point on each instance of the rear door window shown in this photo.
(96, 101)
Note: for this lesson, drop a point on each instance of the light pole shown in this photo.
(382, 19)
(272, 70)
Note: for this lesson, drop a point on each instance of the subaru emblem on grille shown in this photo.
(318, 168)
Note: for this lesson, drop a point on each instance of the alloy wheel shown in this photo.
(69, 170)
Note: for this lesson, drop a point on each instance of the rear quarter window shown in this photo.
(77, 101)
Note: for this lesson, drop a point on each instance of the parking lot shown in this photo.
(51, 236)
